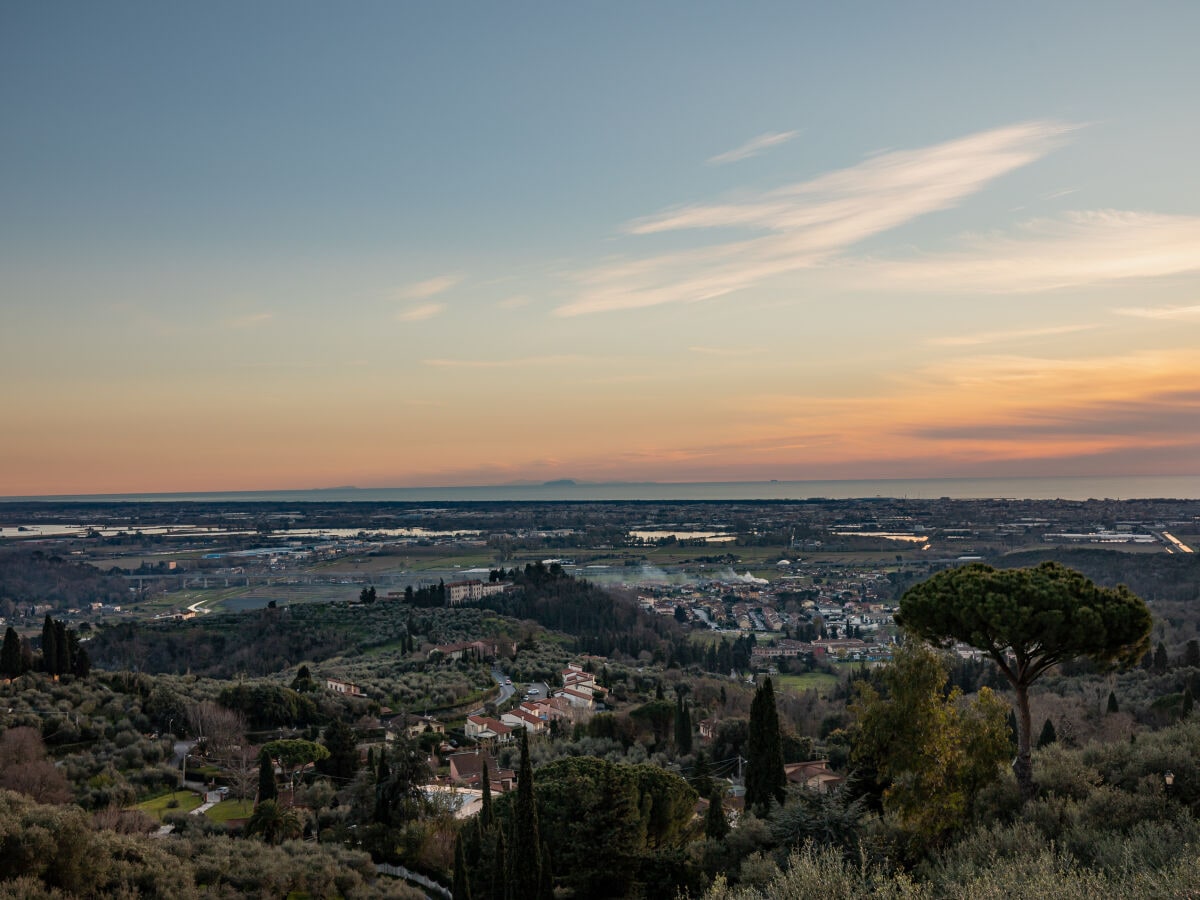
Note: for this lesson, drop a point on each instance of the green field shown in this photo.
(228, 810)
(821, 682)
(159, 806)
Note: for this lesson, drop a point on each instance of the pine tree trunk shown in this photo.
(1023, 765)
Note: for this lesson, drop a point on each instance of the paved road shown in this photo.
(506, 690)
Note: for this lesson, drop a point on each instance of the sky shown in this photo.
(284, 245)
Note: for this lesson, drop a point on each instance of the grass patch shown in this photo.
(707, 636)
(228, 810)
(161, 806)
(821, 682)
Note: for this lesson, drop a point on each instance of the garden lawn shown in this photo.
(821, 682)
(227, 810)
(158, 807)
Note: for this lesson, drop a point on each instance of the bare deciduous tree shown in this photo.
(241, 762)
(216, 727)
(25, 769)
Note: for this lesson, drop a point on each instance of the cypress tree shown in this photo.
(765, 778)
(1185, 708)
(1160, 658)
(485, 810)
(683, 727)
(10, 656)
(62, 648)
(266, 777)
(1191, 654)
(499, 868)
(701, 774)
(473, 846)
(1048, 735)
(716, 826)
(81, 663)
(546, 886)
(1112, 703)
(49, 647)
(383, 774)
(462, 886)
(525, 854)
(342, 763)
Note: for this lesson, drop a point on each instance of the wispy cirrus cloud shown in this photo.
(519, 363)
(1080, 248)
(421, 312)
(997, 337)
(753, 147)
(1164, 415)
(430, 287)
(425, 290)
(515, 302)
(722, 351)
(806, 224)
(251, 319)
(1160, 312)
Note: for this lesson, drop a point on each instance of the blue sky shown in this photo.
(668, 241)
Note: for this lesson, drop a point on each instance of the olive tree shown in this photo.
(1028, 621)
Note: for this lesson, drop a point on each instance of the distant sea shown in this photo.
(1176, 487)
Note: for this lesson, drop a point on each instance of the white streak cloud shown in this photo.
(721, 351)
(251, 319)
(1160, 312)
(753, 147)
(809, 223)
(996, 337)
(1080, 248)
(520, 363)
(420, 313)
(430, 287)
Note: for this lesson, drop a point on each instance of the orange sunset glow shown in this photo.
(274, 286)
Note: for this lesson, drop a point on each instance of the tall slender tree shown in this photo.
(1048, 735)
(342, 763)
(485, 810)
(683, 727)
(10, 656)
(49, 647)
(765, 778)
(524, 863)
(701, 774)
(462, 884)
(500, 868)
(266, 777)
(716, 826)
(546, 885)
(1191, 654)
(62, 648)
